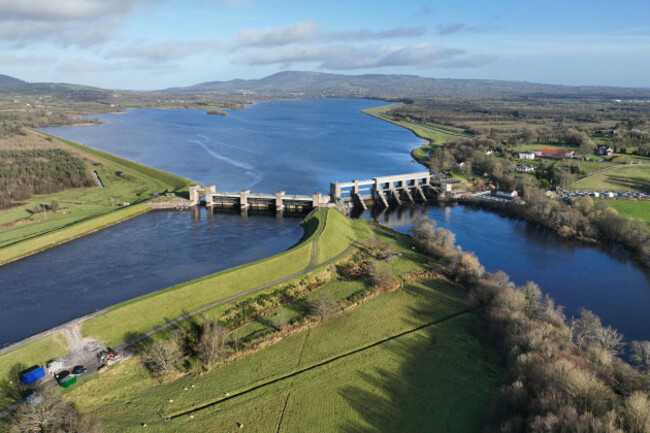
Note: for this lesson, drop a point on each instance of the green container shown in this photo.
(68, 381)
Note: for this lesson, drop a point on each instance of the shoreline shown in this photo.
(90, 224)
(506, 211)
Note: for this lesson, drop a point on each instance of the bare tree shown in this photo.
(381, 276)
(213, 342)
(640, 355)
(280, 320)
(163, 356)
(637, 413)
(324, 306)
(50, 413)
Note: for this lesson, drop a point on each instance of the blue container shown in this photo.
(32, 375)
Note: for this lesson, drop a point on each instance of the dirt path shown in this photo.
(70, 330)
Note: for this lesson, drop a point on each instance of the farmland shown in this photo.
(621, 179)
(48, 219)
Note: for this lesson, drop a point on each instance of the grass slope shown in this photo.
(440, 378)
(23, 232)
(35, 353)
(621, 179)
(633, 209)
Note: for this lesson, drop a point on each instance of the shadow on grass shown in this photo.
(12, 389)
(630, 182)
(444, 383)
(445, 378)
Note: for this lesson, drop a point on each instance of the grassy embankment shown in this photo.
(436, 135)
(146, 312)
(376, 366)
(25, 231)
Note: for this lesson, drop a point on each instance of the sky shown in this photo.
(156, 44)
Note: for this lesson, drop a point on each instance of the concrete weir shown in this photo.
(245, 200)
(387, 190)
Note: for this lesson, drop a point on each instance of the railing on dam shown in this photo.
(383, 190)
(387, 190)
(245, 199)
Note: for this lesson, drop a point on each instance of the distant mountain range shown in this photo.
(317, 84)
(296, 84)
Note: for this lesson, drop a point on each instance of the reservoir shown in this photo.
(298, 147)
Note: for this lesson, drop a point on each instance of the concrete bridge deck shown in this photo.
(245, 199)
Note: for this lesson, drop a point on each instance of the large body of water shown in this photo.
(299, 147)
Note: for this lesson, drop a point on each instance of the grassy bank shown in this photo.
(139, 315)
(436, 135)
(24, 229)
(413, 359)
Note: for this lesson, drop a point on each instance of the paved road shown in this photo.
(312, 266)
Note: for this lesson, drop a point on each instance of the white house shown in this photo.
(525, 168)
(526, 155)
(605, 150)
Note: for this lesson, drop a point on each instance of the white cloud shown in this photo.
(168, 51)
(53, 10)
(449, 29)
(341, 57)
(311, 31)
(65, 22)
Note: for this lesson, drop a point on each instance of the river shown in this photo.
(299, 147)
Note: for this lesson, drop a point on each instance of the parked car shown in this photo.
(79, 369)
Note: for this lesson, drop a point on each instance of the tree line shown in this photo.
(46, 171)
(560, 374)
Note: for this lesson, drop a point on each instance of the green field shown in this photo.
(35, 353)
(412, 359)
(621, 179)
(22, 231)
(440, 378)
(633, 209)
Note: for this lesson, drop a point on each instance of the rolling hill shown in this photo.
(317, 84)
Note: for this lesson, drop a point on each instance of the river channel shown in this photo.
(299, 147)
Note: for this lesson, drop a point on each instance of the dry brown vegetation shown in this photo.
(560, 375)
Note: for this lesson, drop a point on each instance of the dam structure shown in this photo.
(245, 200)
(384, 191)
(387, 191)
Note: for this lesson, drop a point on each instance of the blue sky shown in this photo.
(152, 44)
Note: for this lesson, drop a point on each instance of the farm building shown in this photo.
(556, 153)
(525, 168)
(527, 155)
